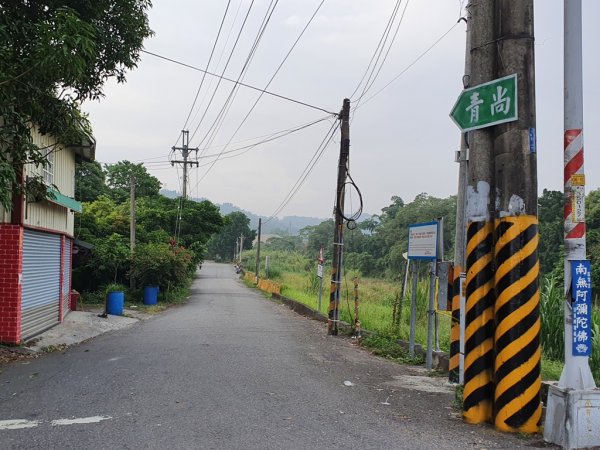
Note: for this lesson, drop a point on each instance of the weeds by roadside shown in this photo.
(388, 347)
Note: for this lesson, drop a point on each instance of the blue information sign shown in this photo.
(581, 291)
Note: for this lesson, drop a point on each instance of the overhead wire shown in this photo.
(283, 97)
(221, 54)
(379, 49)
(307, 170)
(207, 66)
(178, 228)
(372, 79)
(417, 59)
(267, 85)
(265, 138)
(221, 78)
(246, 148)
(215, 126)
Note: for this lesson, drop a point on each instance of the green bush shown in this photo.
(162, 264)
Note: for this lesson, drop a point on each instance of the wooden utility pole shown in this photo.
(257, 270)
(479, 309)
(185, 152)
(338, 232)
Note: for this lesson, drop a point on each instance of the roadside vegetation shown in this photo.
(173, 236)
(373, 255)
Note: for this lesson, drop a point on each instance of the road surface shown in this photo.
(230, 369)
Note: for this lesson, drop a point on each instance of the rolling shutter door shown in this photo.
(66, 287)
(41, 282)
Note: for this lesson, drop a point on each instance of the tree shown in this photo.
(550, 215)
(283, 243)
(592, 206)
(90, 181)
(55, 55)
(318, 236)
(111, 255)
(221, 246)
(118, 178)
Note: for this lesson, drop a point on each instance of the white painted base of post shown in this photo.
(573, 418)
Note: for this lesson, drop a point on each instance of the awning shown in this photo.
(56, 197)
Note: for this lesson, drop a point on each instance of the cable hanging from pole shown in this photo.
(354, 217)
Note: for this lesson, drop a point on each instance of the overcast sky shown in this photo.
(402, 140)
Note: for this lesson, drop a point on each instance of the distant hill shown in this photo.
(289, 225)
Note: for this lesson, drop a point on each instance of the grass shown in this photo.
(387, 347)
(552, 334)
(551, 369)
(297, 275)
(298, 279)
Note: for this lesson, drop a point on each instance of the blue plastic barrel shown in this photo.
(150, 295)
(114, 303)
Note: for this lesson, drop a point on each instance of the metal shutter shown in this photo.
(41, 282)
(66, 287)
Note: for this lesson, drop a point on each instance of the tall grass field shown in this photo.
(378, 298)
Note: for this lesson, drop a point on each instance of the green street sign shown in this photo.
(487, 104)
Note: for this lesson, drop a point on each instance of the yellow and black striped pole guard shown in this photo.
(479, 324)
(454, 363)
(517, 405)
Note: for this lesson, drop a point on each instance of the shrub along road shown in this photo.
(230, 369)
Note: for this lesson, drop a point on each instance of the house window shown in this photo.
(48, 169)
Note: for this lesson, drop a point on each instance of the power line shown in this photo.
(268, 84)
(233, 22)
(207, 65)
(307, 170)
(283, 97)
(368, 84)
(247, 148)
(237, 39)
(417, 59)
(379, 47)
(267, 138)
(217, 123)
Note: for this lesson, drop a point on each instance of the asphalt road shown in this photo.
(229, 370)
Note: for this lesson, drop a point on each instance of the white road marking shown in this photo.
(17, 424)
(93, 419)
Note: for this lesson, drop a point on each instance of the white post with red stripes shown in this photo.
(573, 407)
(576, 373)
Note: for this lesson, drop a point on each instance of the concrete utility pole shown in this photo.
(241, 247)
(573, 411)
(185, 152)
(479, 310)
(132, 221)
(338, 232)
(456, 362)
(257, 270)
(517, 406)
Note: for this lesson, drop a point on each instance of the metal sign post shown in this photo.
(573, 407)
(423, 245)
